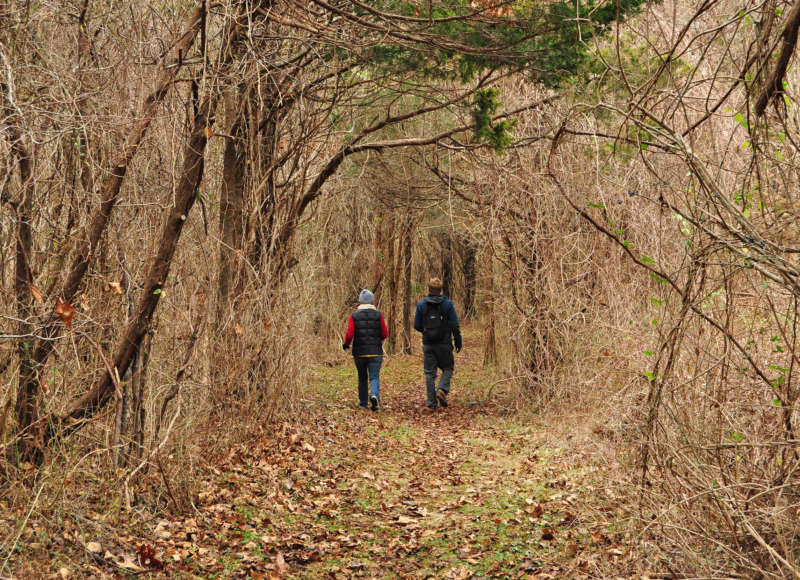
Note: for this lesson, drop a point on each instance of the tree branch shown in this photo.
(774, 84)
(333, 164)
(170, 66)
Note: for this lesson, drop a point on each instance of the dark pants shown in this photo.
(437, 356)
(369, 371)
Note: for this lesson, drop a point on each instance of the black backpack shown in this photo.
(434, 323)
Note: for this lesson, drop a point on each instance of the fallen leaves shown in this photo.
(346, 495)
(536, 511)
(36, 293)
(144, 559)
(280, 565)
(162, 530)
(66, 312)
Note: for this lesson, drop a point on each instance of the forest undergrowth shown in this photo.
(476, 490)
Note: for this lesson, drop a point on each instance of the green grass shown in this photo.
(470, 507)
(403, 433)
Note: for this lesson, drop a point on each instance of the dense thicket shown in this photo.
(192, 195)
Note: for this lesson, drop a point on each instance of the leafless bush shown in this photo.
(707, 222)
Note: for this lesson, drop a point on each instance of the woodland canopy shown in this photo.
(193, 194)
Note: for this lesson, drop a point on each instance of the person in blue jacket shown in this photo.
(437, 320)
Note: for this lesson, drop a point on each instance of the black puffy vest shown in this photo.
(367, 340)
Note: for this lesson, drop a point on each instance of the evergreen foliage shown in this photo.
(484, 106)
(549, 40)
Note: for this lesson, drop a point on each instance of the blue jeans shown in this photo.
(368, 366)
(434, 357)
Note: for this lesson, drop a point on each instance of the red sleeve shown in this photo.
(384, 330)
(351, 331)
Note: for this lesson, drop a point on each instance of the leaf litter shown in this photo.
(467, 492)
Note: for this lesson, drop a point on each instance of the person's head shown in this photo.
(435, 286)
(366, 297)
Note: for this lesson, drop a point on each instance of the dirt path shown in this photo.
(470, 491)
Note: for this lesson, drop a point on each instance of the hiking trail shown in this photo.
(471, 491)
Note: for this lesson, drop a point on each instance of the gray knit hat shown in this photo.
(366, 297)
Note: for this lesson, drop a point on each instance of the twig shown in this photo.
(21, 529)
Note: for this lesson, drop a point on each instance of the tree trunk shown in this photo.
(138, 383)
(232, 220)
(407, 256)
(490, 346)
(231, 210)
(447, 264)
(129, 436)
(27, 405)
(268, 252)
(378, 267)
(391, 259)
(540, 361)
(468, 259)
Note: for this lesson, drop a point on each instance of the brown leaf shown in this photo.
(36, 293)
(84, 303)
(65, 312)
(547, 534)
(94, 547)
(128, 563)
(147, 557)
(208, 131)
(115, 287)
(280, 565)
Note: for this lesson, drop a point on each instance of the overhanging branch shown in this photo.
(774, 84)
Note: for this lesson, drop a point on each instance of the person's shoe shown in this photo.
(441, 396)
(373, 401)
(363, 406)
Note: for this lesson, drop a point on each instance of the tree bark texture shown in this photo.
(26, 408)
(447, 264)
(468, 260)
(407, 256)
(378, 265)
(391, 258)
(774, 83)
(490, 345)
(232, 206)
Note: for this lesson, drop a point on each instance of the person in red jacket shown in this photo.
(366, 331)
